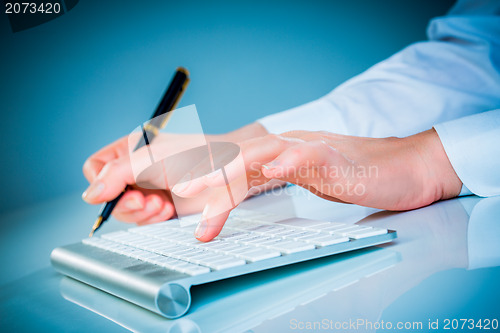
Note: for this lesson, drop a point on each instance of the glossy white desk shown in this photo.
(421, 277)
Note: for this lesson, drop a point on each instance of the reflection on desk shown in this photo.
(441, 266)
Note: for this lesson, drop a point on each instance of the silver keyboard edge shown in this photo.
(164, 291)
(115, 274)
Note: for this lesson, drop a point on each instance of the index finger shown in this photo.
(94, 164)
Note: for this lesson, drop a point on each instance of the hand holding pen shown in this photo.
(97, 163)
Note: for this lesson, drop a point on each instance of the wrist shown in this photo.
(437, 172)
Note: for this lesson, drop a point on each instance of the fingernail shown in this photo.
(133, 204)
(156, 202)
(182, 185)
(152, 205)
(271, 165)
(93, 191)
(167, 211)
(201, 228)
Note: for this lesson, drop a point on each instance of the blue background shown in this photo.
(74, 84)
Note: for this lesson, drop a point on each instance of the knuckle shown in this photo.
(311, 136)
(323, 133)
(321, 144)
(113, 166)
(109, 169)
(276, 140)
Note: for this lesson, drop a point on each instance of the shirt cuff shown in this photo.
(465, 191)
(472, 146)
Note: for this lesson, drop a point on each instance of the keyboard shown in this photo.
(155, 266)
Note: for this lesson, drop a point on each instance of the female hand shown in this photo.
(387, 173)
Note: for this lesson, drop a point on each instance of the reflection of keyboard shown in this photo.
(154, 266)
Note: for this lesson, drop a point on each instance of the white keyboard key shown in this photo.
(192, 242)
(289, 247)
(226, 263)
(150, 257)
(224, 246)
(151, 245)
(325, 240)
(181, 266)
(188, 256)
(196, 270)
(220, 257)
(272, 230)
(266, 228)
(249, 240)
(168, 234)
(298, 222)
(180, 250)
(166, 262)
(335, 228)
(240, 249)
(126, 250)
(367, 233)
(258, 254)
(302, 234)
(229, 248)
(145, 255)
(235, 235)
(257, 240)
(287, 232)
(166, 249)
(206, 258)
(212, 243)
(348, 229)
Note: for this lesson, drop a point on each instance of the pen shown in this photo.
(150, 130)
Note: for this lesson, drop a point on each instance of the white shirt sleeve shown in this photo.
(452, 75)
(472, 145)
